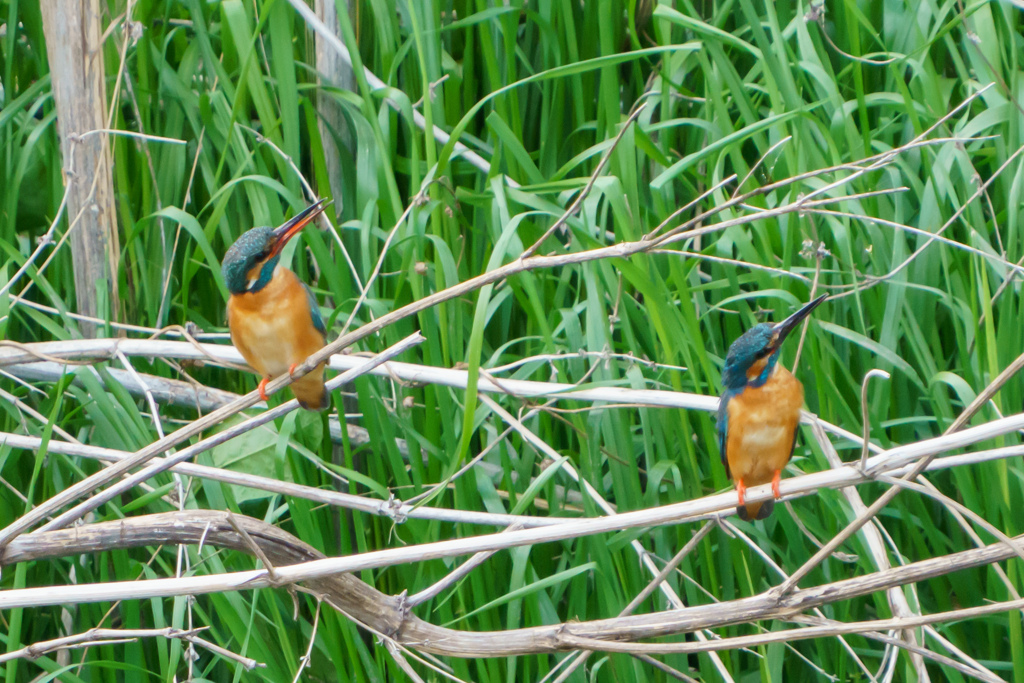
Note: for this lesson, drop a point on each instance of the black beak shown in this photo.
(789, 324)
(297, 222)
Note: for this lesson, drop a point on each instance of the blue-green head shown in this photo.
(752, 357)
(249, 263)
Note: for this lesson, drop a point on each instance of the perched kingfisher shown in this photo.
(759, 410)
(274, 319)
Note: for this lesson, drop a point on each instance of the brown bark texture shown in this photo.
(74, 31)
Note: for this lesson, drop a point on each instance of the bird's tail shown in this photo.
(755, 510)
(310, 390)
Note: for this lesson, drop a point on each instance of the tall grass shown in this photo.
(539, 89)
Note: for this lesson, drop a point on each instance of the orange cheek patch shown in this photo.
(254, 272)
(757, 368)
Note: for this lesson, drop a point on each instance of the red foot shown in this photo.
(262, 388)
(741, 490)
(291, 369)
(775, 483)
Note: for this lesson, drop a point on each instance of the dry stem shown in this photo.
(389, 615)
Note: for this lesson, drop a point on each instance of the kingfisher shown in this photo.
(759, 410)
(273, 316)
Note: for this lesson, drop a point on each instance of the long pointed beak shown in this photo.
(789, 324)
(297, 222)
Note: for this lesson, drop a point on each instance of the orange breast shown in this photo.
(762, 426)
(273, 328)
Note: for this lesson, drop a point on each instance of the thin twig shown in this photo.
(455, 576)
(248, 663)
(732, 529)
(962, 509)
(104, 476)
(873, 280)
(920, 466)
(407, 372)
(401, 661)
(574, 207)
(915, 650)
(864, 421)
(308, 657)
(896, 461)
(385, 613)
(364, 291)
(665, 668)
(648, 590)
(898, 603)
(760, 161)
(1015, 268)
(95, 635)
(845, 628)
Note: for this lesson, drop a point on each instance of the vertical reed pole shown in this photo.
(73, 45)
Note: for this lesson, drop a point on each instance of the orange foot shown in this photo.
(741, 490)
(291, 369)
(262, 388)
(775, 483)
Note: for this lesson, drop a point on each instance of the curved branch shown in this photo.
(390, 615)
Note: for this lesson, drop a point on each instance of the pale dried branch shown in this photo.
(733, 530)
(847, 628)
(142, 386)
(401, 661)
(99, 499)
(648, 590)
(594, 494)
(74, 45)
(865, 422)
(455, 576)
(388, 614)
(920, 466)
(37, 416)
(103, 349)
(178, 393)
(896, 461)
(518, 266)
(106, 636)
(967, 659)
(914, 649)
(393, 509)
(898, 603)
(308, 657)
(246, 662)
(116, 470)
(948, 502)
(961, 520)
(575, 206)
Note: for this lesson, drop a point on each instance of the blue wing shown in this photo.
(314, 311)
(792, 448)
(723, 428)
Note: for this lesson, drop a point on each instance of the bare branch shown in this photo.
(574, 207)
(104, 476)
(99, 636)
(388, 615)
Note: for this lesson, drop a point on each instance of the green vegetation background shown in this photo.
(724, 81)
